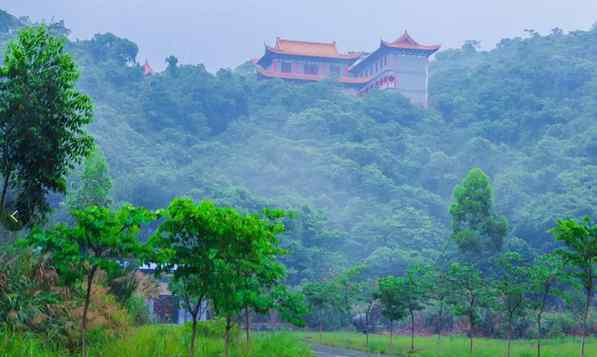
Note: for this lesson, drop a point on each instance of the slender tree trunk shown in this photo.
(247, 325)
(441, 321)
(586, 317)
(320, 328)
(227, 336)
(470, 333)
(84, 352)
(391, 336)
(412, 331)
(509, 336)
(193, 335)
(539, 334)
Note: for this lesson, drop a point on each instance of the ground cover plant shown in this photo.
(160, 341)
(453, 346)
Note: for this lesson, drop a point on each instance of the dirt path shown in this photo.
(325, 351)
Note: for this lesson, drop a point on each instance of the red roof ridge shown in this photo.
(309, 48)
(407, 42)
(278, 39)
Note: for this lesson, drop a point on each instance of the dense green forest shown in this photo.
(371, 176)
(332, 210)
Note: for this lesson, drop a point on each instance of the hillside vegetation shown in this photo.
(370, 176)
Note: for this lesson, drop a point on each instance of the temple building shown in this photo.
(401, 65)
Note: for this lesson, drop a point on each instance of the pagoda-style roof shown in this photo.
(147, 70)
(309, 49)
(404, 43)
(408, 43)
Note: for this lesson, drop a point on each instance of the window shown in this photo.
(334, 70)
(286, 67)
(385, 60)
(311, 68)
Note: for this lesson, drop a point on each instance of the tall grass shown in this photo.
(173, 341)
(160, 341)
(24, 345)
(450, 346)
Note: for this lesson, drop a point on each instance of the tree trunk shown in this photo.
(227, 336)
(84, 352)
(193, 336)
(247, 325)
(586, 315)
(391, 336)
(367, 330)
(539, 334)
(470, 333)
(509, 336)
(412, 331)
(320, 329)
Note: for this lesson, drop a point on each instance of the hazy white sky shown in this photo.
(225, 33)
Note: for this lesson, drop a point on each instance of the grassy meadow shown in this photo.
(449, 346)
(161, 341)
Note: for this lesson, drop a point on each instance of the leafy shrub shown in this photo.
(138, 310)
(212, 328)
(30, 298)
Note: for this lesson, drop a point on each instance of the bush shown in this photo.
(212, 328)
(138, 311)
(30, 298)
(559, 324)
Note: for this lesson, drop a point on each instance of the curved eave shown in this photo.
(424, 50)
(430, 49)
(341, 57)
(309, 77)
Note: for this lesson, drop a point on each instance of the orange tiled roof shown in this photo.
(407, 42)
(310, 77)
(310, 49)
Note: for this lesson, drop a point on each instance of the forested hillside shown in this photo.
(370, 177)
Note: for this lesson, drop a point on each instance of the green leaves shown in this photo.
(99, 237)
(478, 232)
(42, 115)
(230, 257)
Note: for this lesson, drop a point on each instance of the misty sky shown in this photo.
(225, 33)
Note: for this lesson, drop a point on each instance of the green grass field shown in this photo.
(162, 341)
(449, 346)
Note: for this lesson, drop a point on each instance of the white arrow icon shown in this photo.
(13, 216)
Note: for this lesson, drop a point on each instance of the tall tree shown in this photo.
(99, 239)
(185, 244)
(545, 275)
(248, 249)
(580, 251)
(470, 293)
(93, 188)
(477, 230)
(219, 254)
(510, 285)
(414, 295)
(392, 308)
(323, 298)
(42, 115)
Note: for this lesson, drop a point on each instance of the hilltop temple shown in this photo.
(401, 65)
